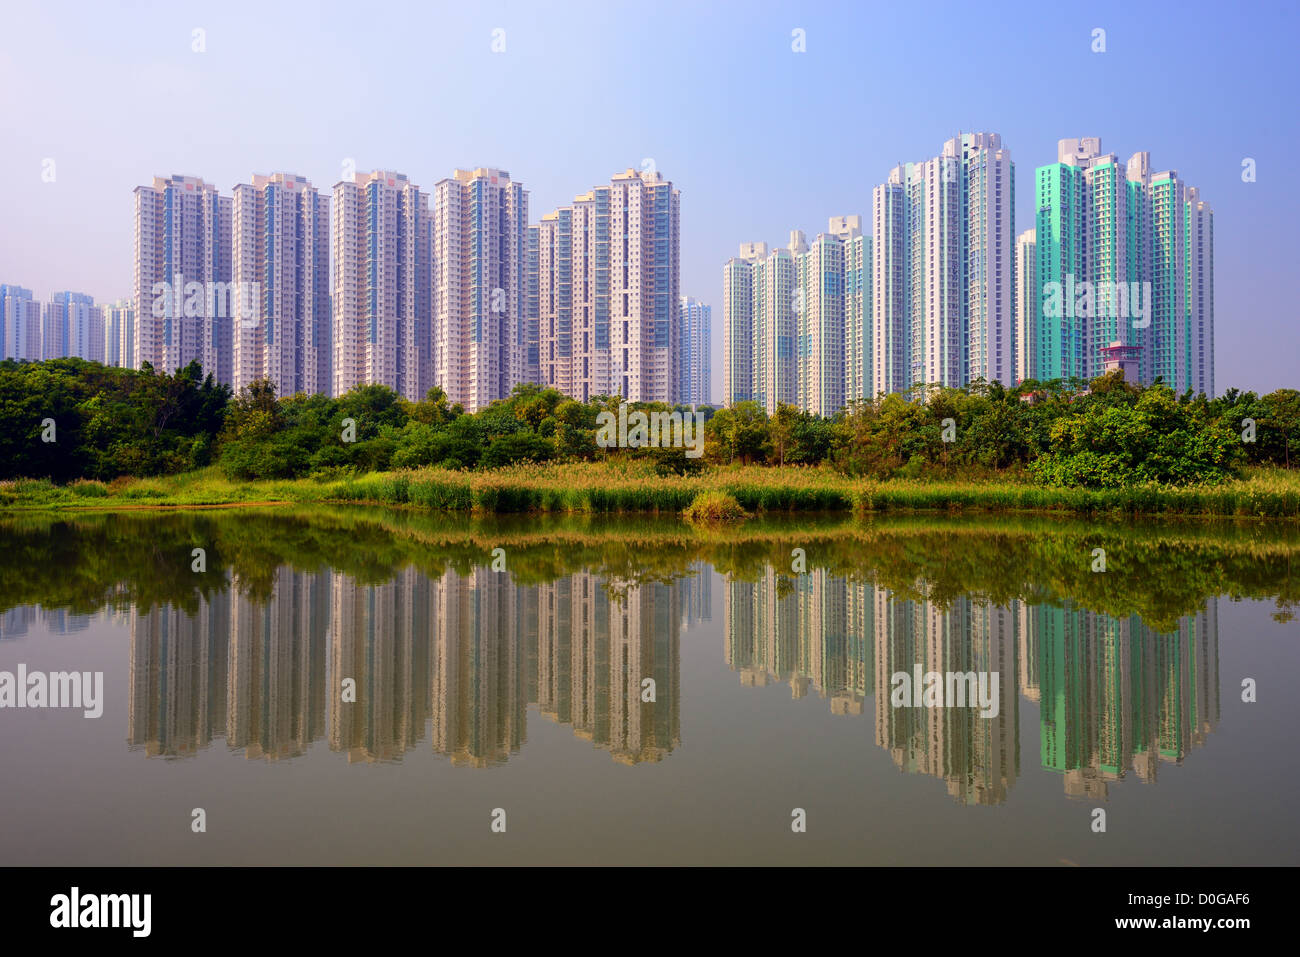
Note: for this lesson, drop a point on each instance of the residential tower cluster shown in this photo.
(386, 283)
(1117, 272)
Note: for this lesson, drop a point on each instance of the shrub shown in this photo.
(712, 508)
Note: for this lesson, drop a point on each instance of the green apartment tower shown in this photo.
(1124, 256)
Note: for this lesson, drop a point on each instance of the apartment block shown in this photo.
(942, 284)
(1124, 255)
(181, 284)
(789, 315)
(72, 325)
(481, 256)
(281, 271)
(819, 323)
(645, 224)
(859, 345)
(1027, 308)
(119, 333)
(738, 324)
(607, 308)
(695, 319)
(382, 307)
(20, 324)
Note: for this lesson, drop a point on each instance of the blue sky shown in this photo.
(759, 139)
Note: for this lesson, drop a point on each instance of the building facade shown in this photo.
(382, 308)
(281, 268)
(481, 257)
(182, 277)
(1125, 255)
(695, 320)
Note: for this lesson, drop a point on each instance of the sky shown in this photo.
(759, 138)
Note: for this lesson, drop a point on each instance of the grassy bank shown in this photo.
(632, 487)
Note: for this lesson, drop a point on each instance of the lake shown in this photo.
(366, 686)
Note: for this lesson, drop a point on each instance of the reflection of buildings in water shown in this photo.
(60, 621)
(1113, 694)
(379, 637)
(978, 757)
(695, 595)
(176, 686)
(1117, 695)
(596, 648)
(479, 687)
(17, 621)
(276, 680)
(464, 655)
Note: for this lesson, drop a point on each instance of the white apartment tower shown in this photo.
(942, 282)
(119, 333)
(569, 297)
(603, 292)
(281, 267)
(481, 255)
(182, 274)
(383, 285)
(20, 324)
(1027, 307)
(645, 218)
(72, 326)
(797, 321)
(738, 323)
(989, 180)
(694, 335)
(819, 323)
(859, 365)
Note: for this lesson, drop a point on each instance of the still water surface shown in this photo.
(769, 652)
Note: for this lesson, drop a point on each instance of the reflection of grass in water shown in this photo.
(633, 487)
(1159, 570)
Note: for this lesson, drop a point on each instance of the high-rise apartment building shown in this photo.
(181, 288)
(859, 352)
(761, 300)
(989, 189)
(693, 381)
(119, 333)
(281, 269)
(571, 313)
(481, 349)
(1028, 307)
(942, 282)
(644, 270)
(774, 326)
(1125, 255)
(819, 324)
(1199, 259)
(72, 326)
(789, 316)
(603, 291)
(738, 312)
(382, 308)
(20, 324)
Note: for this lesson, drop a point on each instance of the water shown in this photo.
(771, 649)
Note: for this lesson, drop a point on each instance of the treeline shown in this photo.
(67, 419)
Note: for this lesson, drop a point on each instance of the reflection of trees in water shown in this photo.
(1160, 572)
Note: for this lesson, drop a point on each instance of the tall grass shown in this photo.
(625, 487)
